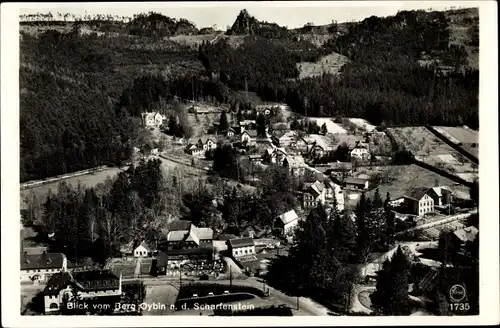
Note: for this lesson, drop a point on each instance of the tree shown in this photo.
(324, 129)
(474, 191)
(391, 294)
(261, 125)
(377, 200)
(223, 123)
(362, 240)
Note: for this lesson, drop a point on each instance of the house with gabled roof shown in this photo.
(418, 201)
(40, 267)
(249, 137)
(357, 183)
(102, 286)
(194, 150)
(468, 234)
(295, 164)
(142, 249)
(441, 195)
(275, 155)
(207, 143)
(360, 151)
(241, 247)
(185, 244)
(287, 222)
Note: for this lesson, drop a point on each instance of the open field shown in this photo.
(420, 141)
(124, 266)
(331, 126)
(458, 134)
(194, 40)
(329, 64)
(362, 124)
(398, 180)
(89, 180)
(463, 24)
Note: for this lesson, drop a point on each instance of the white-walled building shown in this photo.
(241, 247)
(40, 267)
(288, 222)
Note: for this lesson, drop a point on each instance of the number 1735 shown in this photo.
(459, 306)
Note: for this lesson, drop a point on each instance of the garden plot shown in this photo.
(420, 141)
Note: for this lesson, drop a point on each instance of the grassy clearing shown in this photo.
(398, 180)
(462, 23)
(193, 40)
(160, 294)
(330, 64)
(89, 180)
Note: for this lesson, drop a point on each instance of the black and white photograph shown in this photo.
(250, 159)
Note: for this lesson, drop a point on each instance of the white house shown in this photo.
(194, 150)
(360, 151)
(334, 191)
(152, 119)
(241, 247)
(88, 285)
(288, 222)
(142, 250)
(419, 202)
(249, 137)
(40, 267)
(207, 143)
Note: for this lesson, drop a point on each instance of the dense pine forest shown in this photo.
(82, 93)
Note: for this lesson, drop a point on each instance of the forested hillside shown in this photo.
(70, 86)
(383, 82)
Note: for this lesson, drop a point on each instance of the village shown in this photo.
(333, 163)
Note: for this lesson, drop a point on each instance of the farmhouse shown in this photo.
(360, 151)
(40, 267)
(288, 222)
(90, 285)
(419, 202)
(206, 143)
(313, 194)
(356, 183)
(152, 120)
(283, 138)
(249, 137)
(295, 164)
(241, 247)
(247, 124)
(194, 150)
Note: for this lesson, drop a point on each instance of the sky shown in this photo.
(290, 14)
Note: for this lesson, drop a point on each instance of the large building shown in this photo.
(99, 285)
(40, 267)
(188, 244)
(419, 202)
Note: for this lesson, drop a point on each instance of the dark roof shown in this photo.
(251, 133)
(96, 280)
(241, 242)
(355, 181)
(42, 261)
(417, 193)
(341, 165)
(179, 225)
(190, 251)
(57, 282)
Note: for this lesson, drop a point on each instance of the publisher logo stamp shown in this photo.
(457, 293)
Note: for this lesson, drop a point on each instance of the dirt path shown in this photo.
(137, 271)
